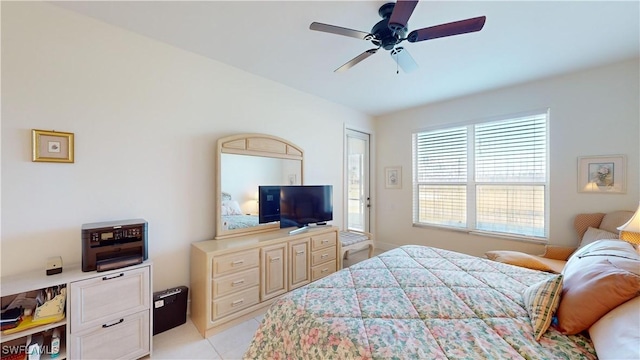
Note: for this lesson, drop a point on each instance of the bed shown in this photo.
(239, 221)
(232, 216)
(417, 302)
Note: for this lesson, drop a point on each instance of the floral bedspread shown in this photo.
(232, 222)
(413, 302)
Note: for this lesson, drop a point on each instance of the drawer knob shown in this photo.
(237, 282)
(277, 258)
(237, 302)
(237, 262)
(113, 324)
(325, 241)
(323, 256)
(301, 252)
(324, 270)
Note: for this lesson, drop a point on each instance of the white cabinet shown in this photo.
(110, 315)
(235, 279)
(107, 314)
(125, 338)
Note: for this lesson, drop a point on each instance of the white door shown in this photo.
(357, 180)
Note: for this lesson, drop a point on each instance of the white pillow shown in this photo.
(233, 207)
(617, 334)
(593, 234)
(224, 211)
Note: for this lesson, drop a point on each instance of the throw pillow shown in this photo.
(583, 221)
(517, 258)
(597, 278)
(612, 220)
(593, 234)
(541, 301)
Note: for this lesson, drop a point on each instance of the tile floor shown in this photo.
(184, 342)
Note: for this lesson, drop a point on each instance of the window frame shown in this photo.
(471, 183)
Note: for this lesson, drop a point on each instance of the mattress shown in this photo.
(232, 222)
(413, 302)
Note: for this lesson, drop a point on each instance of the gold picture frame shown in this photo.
(52, 146)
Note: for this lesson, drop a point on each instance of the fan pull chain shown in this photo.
(397, 65)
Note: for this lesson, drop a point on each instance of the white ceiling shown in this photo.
(521, 41)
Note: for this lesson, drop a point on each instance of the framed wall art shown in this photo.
(602, 174)
(393, 177)
(52, 146)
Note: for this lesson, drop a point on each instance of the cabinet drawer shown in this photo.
(323, 241)
(321, 256)
(243, 260)
(101, 299)
(126, 337)
(323, 270)
(235, 282)
(235, 302)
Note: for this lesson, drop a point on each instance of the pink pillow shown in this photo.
(597, 278)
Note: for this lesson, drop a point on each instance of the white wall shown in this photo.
(146, 117)
(593, 112)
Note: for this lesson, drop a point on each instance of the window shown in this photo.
(489, 176)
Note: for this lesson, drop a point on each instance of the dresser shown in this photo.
(235, 279)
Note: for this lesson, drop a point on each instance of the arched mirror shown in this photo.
(244, 162)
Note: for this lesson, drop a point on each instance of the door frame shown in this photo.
(370, 219)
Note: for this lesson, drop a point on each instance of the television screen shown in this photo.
(268, 204)
(304, 205)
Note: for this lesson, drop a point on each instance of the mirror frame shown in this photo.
(261, 145)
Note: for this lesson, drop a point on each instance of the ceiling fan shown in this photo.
(392, 30)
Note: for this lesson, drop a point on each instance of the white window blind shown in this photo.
(510, 175)
(442, 176)
(489, 176)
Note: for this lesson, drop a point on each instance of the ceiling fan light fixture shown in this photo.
(391, 31)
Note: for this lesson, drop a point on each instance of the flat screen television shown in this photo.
(268, 204)
(305, 204)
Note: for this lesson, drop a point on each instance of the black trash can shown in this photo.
(169, 308)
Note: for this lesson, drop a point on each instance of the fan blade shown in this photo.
(340, 31)
(401, 13)
(404, 59)
(449, 29)
(351, 63)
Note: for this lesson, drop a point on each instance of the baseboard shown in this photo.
(385, 246)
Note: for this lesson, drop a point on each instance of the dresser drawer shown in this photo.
(230, 263)
(323, 270)
(122, 338)
(235, 282)
(321, 256)
(99, 300)
(323, 241)
(235, 302)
